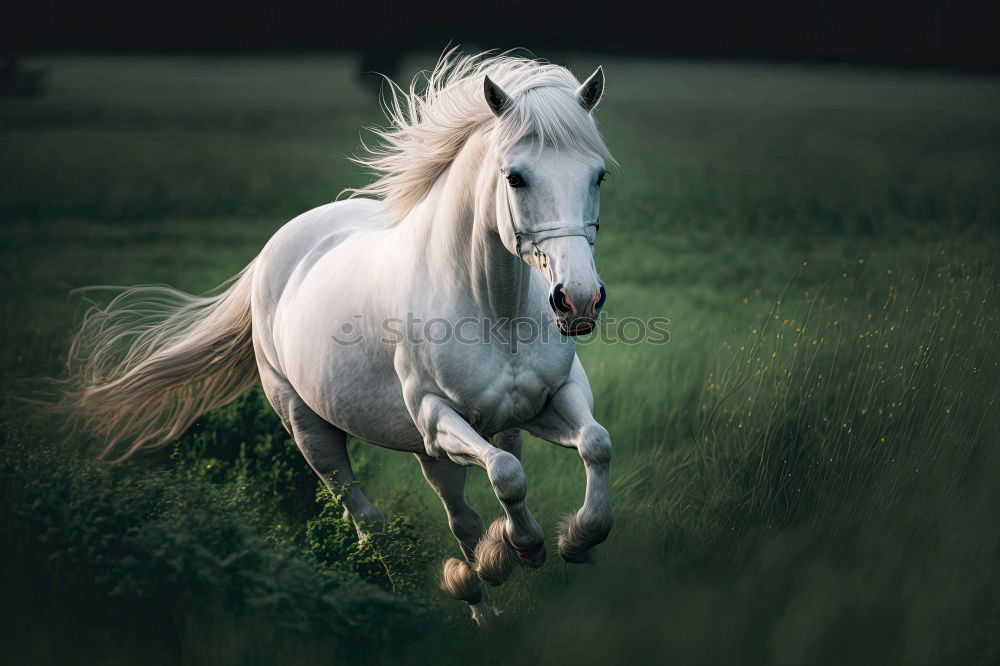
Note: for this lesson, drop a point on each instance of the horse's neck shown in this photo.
(464, 247)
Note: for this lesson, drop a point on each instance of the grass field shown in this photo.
(807, 473)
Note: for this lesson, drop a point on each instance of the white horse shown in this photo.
(480, 239)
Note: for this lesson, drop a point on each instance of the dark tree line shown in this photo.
(962, 33)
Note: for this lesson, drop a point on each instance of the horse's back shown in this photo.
(305, 239)
(298, 245)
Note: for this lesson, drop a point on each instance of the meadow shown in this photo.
(805, 474)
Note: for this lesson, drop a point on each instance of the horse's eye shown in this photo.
(600, 179)
(515, 180)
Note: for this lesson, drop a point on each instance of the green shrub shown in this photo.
(394, 558)
(244, 446)
(158, 544)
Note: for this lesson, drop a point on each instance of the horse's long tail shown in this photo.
(142, 369)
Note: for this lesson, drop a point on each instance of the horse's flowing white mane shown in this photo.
(430, 122)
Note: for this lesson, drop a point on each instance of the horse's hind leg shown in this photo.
(448, 481)
(325, 449)
(459, 578)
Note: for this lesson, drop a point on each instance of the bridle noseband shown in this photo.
(535, 236)
(539, 235)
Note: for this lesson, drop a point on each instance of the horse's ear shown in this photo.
(496, 98)
(590, 92)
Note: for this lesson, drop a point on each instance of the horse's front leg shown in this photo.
(568, 420)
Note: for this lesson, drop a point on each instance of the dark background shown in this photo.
(955, 33)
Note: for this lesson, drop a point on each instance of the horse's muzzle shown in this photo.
(571, 319)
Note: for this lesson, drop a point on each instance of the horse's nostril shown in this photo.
(604, 297)
(557, 299)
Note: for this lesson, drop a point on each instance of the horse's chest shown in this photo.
(502, 390)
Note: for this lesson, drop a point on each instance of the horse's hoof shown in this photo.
(366, 526)
(485, 616)
(532, 557)
(572, 554)
(579, 537)
(459, 580)
(494, 556)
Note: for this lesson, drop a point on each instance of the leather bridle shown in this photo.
(535, 236)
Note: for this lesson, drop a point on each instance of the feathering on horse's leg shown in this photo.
(459, 580)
